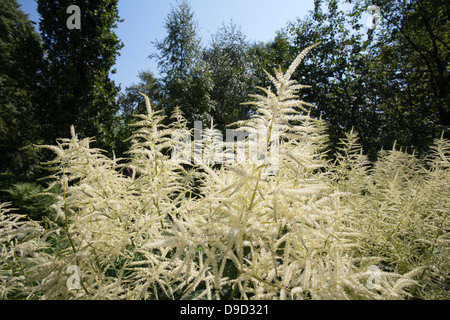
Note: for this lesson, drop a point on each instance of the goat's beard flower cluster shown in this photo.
(311, 229)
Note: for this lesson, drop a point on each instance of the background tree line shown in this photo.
(391, 83)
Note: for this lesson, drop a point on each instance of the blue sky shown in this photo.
(144, 22)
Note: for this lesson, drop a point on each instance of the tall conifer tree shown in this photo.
(78, 89)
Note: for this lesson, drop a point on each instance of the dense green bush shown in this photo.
(312, 229)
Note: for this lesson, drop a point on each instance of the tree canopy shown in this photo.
(77, 86)
(390, 84)
(20, 78)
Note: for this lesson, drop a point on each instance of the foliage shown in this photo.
(305, 229)
(27, 197)
(389, 83)
(185, 80)
(342, 74)
(229, 64)
(20, 63)
(22, 244)
(266, 56)
(77, 89)
(413, 45)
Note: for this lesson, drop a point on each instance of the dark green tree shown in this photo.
(20, 79)
(270, 55)
(389, 83)
(410, 63)
(229, 63)
(338, 73)
(77, 88)
(185, 80)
